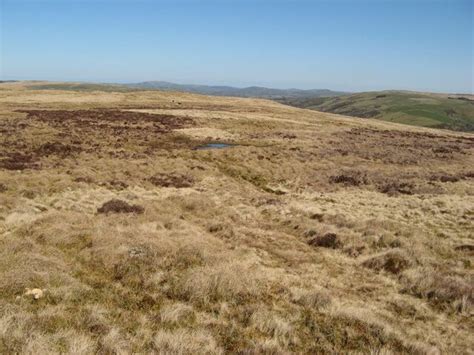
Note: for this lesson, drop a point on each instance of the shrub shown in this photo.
(328, 240)
(119, 206)
(183, 341)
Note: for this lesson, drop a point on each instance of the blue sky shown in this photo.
(353, 45)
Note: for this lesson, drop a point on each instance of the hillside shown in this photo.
(121, 232)
(454, 112)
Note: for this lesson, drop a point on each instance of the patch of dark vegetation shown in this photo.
(92, 117)
(465, 248)
(170, 142)
(115, 184)
(398, 147)
(394, 261)
(450, 112)
(462, 99)
(394, 188)
(317, 216)
(222, 230)
(361, 113)
(387, 242)
(120, 134)
(30, 194)
(337, 105)
(310, 233)
(85, 179)
(468, 175)
(116, 122)
(3, 188)
(446, 149)
(380, 96)
(172, 180)
(286, 135)
(353, 178)
(19, 161)
(328, 240)
(119, 206)
(354, 251)
(265, 201)
(445, 178)
(58, 149)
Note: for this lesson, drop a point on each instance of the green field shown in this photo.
(417, 109)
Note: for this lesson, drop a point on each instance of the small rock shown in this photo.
(36, 293)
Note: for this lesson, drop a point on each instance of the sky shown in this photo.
(351, 45)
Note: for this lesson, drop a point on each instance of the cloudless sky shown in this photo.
(341, 44)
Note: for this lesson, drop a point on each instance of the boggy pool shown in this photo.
(215, 146)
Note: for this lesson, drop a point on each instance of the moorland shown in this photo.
(312, 232)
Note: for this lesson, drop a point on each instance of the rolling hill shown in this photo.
(454, 112)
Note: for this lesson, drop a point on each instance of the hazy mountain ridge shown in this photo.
(251, 91)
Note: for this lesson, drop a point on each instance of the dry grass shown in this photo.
(314, 233)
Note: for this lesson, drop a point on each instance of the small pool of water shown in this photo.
(214, 146)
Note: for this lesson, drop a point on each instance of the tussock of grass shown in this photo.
(277, 327)
(443, 290)
(177, 313)
(232, 282)
(313, 298)
(393, 261)
(183, 341)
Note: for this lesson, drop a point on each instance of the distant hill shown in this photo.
(454, 112)
(252, 91)
(81, 87)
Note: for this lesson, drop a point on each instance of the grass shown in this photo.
(315, 233)
(418, 109)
